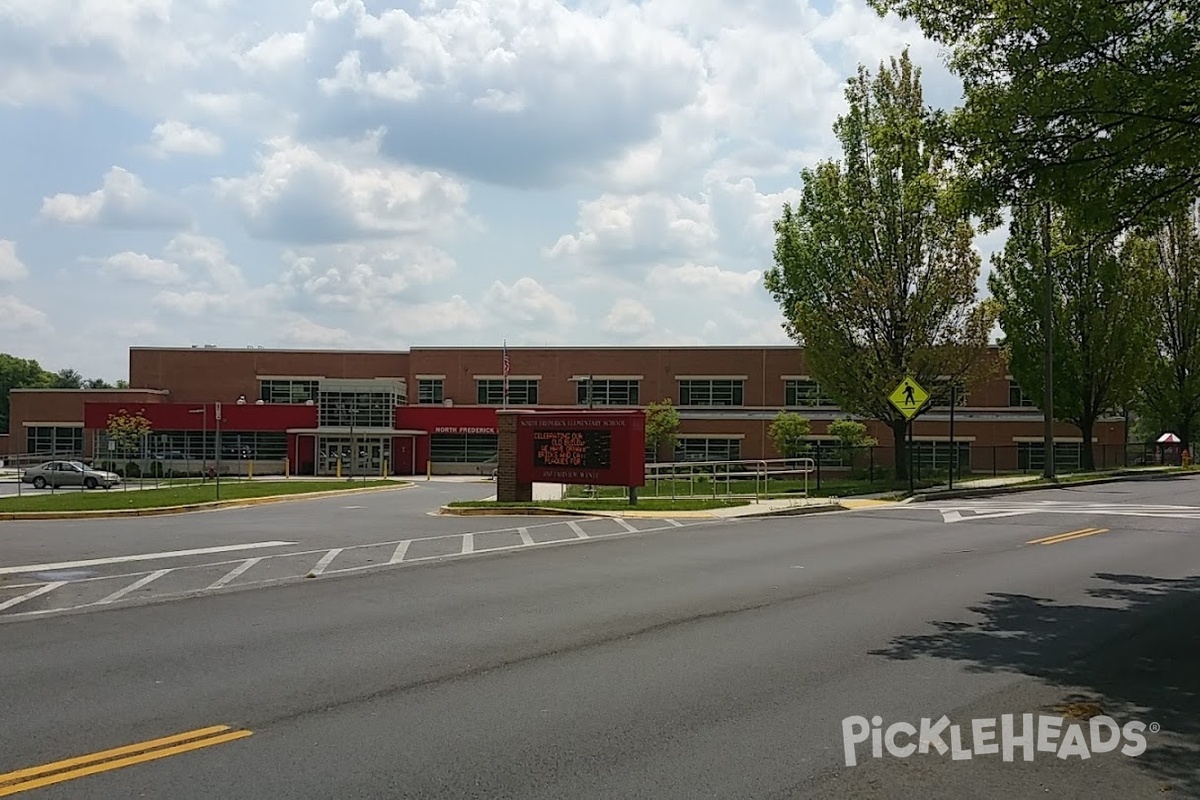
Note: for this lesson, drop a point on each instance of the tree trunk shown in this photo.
(1087, 451)
(900, 441)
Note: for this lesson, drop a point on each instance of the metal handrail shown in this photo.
(760, 471)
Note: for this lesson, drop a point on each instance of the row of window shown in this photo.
(200, 446)
(373, 406)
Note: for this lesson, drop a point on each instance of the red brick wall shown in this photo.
(63, 405)
(211, 374)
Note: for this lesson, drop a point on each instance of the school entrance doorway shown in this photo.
(357, 456)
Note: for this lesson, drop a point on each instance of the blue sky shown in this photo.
(390, 174)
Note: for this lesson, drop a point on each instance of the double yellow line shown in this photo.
(81, 766)
(1068, 536)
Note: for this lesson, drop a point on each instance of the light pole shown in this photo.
(218, 453)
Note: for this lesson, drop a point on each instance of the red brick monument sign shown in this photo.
(598, 448)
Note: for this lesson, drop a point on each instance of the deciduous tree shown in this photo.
(18, 373)
(1103, 317)
(662, 425)
(128, 430)
(1088, 104)
(789, 433)
(874, 266)
(1171, 395)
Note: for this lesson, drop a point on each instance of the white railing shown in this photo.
(718, 478)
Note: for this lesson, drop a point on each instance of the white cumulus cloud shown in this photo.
(16, 315)
(173, 136)
(11, 267)
(122, 201)
(628, 317)
(299, 195)
(128, 265)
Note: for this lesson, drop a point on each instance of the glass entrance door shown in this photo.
(362, 458)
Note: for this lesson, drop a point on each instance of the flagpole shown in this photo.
(504, 399)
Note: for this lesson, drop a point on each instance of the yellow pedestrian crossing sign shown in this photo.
(909, 397)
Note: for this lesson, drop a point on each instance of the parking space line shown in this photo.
(325, 561)
(49, 587)
(578, 531)
(625, 525)
(133, 587)
(401, 549)
(526, 539)
(233, 573)
(468, 543)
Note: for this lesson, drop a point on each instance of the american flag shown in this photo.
(507, 363)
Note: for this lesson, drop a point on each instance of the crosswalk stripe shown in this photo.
(133, 587)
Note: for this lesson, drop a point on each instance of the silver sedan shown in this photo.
(69, 473)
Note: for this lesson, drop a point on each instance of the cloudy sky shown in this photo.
(383, 174)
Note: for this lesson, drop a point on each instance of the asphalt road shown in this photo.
(715, 660)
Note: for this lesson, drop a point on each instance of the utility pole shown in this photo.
(1048, 334)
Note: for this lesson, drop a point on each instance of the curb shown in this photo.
(116, 513)
(543, 511)
(992, 491)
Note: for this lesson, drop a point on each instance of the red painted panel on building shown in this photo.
(180, 416)
(602, 448)
(446, 419)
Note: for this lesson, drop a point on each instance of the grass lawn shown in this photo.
(101, 500)
(643, 504)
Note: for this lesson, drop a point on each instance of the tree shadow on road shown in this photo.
(1147, 666)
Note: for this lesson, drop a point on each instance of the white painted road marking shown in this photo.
(240, 566)
(95, 562)
(468, 545)
(233, 573)
(625, 525)
(675, 523)
(325, 561)
(49, 587)
(133, 587)
(401, 549)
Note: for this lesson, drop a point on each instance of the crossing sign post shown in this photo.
(909, 397)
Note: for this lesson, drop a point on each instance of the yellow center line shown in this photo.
(81, 766)
(1068, 536)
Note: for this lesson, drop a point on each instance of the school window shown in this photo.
(802, 393)
(607, 392)
(938, 456)
(56, 441)
(362, 409)
(1031, 456)
(180, 447)
(692, 448)
(521, 391)
(1017, 397)
(287, 390)
(463, 448)
(940, 393)
(711, 392)
(430, 391)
